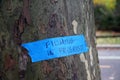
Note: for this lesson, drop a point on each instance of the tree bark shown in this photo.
(49, 18)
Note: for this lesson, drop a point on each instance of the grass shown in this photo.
(108, 40)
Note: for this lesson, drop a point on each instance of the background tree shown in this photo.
(49, 18)
(107, 15)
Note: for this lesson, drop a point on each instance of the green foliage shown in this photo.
(107, 19)
(109, 4)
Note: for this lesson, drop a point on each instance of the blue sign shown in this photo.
(56, 47)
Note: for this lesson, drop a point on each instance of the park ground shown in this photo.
(108, 45)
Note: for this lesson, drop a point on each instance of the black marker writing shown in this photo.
(59, 42)
(50, 53)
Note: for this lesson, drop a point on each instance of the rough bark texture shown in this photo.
(49, 18)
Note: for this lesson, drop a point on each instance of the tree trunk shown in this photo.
(49, 18)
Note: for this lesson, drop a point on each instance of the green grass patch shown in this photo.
(108, 40)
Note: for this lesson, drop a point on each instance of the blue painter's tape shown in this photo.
(56, 47)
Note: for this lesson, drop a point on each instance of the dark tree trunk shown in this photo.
(49, 18)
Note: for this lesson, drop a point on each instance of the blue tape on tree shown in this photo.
(56, 47)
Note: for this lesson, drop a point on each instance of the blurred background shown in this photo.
(107, 21)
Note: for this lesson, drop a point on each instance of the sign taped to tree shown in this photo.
(56, 47)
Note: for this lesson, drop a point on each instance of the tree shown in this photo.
(49, 18)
